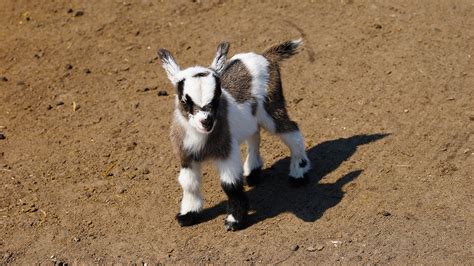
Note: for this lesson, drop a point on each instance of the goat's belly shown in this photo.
(242, 122)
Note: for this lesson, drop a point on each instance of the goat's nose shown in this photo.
(207, 123)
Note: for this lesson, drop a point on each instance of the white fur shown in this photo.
(172, 69)
(190, 180)
(221, 56)
(230, 169)
(294, 141)
(264, 118)
(253, 160)
(230, 218)
(241, 121)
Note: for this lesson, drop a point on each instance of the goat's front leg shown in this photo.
(230, 170)
(192, 202)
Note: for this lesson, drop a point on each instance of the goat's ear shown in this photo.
(221, 56)
(169, 64)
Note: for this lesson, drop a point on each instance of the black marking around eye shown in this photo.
(202, 74)
(217, 93)
(180, 88)
(188, 104)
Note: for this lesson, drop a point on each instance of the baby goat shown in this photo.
(218, 107)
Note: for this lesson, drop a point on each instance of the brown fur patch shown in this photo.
(254, 106)
(275, 101)
(218, 141)
(237, 80)
(177, 136)
(281, 51)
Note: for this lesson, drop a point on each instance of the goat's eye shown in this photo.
(188, 104)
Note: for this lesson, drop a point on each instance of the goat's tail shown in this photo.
(282, 51)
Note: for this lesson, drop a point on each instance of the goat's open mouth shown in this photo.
(205, 130)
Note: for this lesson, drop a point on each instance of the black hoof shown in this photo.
(254, 177)
(233, 226)
(188, 219)
(298, 182)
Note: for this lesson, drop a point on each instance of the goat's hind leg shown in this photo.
(253, 163)
(192, 202)
(300, 164)
(230, 170)
(275, 119)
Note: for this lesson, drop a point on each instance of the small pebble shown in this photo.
(311, 249)
(49, 107)
(146, 171)
(70, 10)
(145, 89)
(87, 71)
(3, 78)
(378, 26)
(39, 54)
(76, 239)
(319, 247)
(69, 66)
(59, 102)
(2, 136)
(163, 93)
(295, 247)
(385, 213)
(75, 106)
(79, 13)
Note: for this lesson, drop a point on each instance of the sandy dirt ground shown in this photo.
(382, 90)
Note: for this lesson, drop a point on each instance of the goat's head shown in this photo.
(198, 89)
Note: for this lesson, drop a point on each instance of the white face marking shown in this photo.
(200, 89)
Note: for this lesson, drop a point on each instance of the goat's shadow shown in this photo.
(273, 196)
